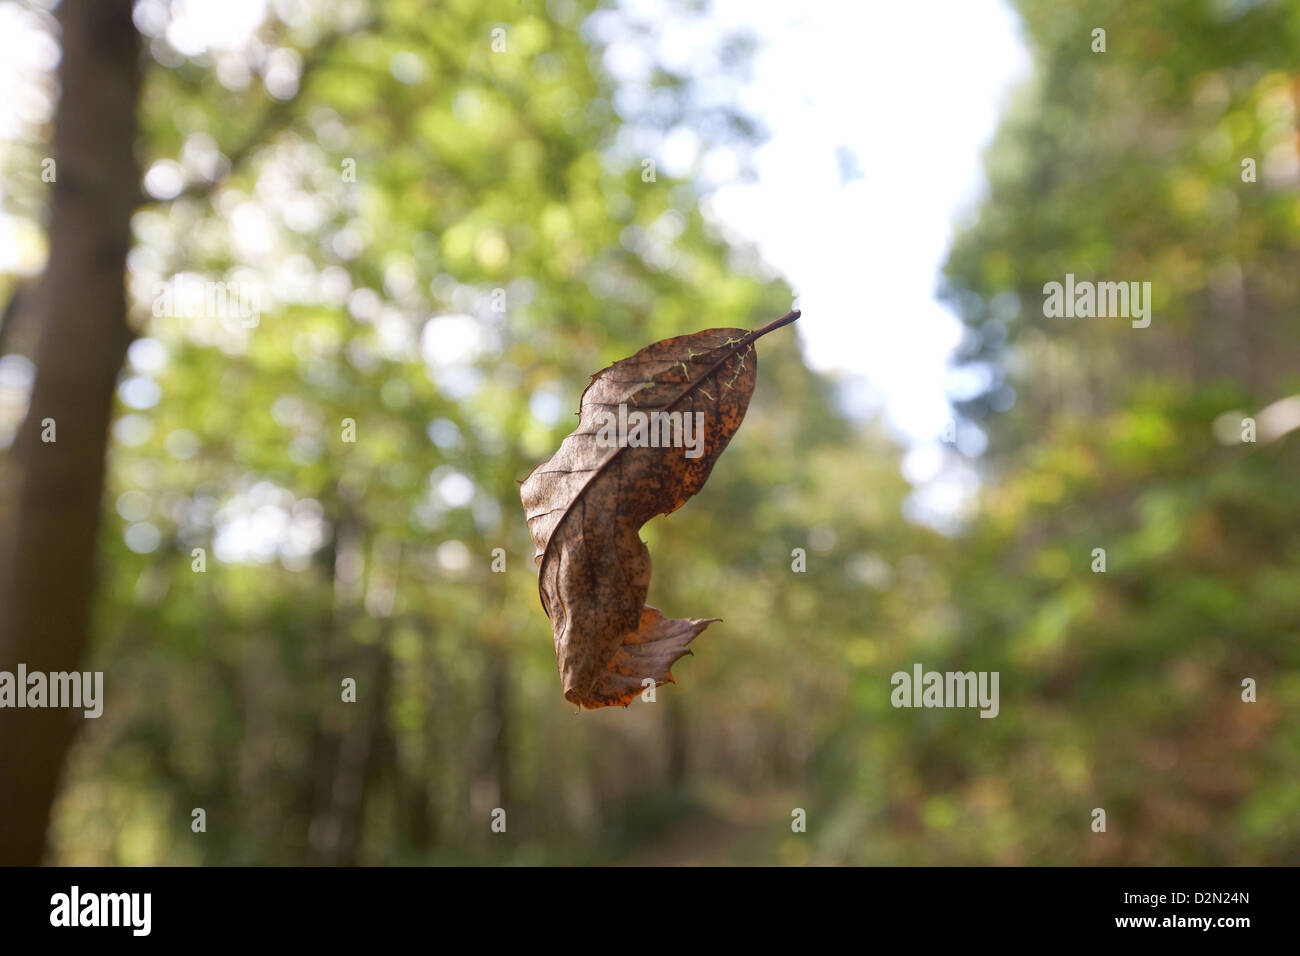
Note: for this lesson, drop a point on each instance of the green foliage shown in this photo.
(1127, 166)
(494, 191)
(487, 192)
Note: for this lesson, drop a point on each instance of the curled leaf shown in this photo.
(650, 429)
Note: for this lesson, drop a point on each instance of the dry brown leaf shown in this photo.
(586, 505)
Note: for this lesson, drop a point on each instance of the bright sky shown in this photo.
(909, 93)
(878, 112)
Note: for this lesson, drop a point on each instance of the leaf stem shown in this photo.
(775, 324)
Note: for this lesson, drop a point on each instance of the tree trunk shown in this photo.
(51, 491)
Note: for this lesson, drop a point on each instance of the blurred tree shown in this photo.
(429, 224)
(1128, 166)
(54, 475)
